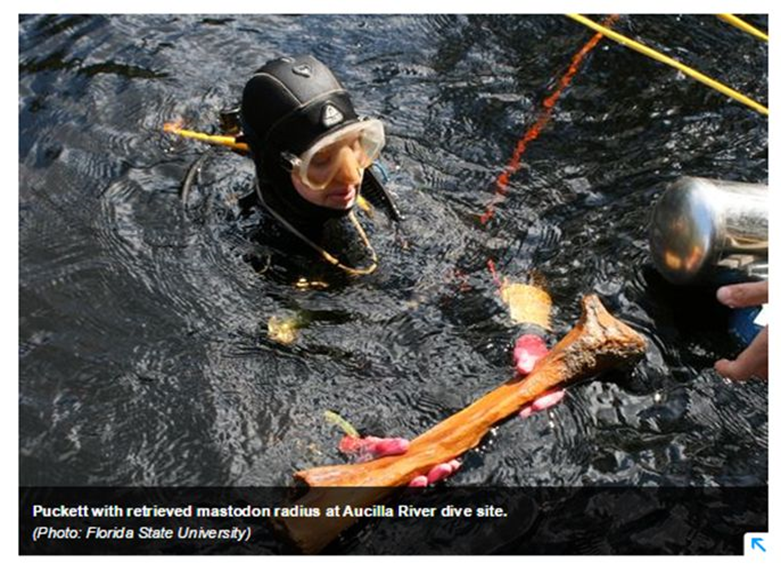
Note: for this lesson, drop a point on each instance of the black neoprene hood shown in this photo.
(287, 105)
(290, 103)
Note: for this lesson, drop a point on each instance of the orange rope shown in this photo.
(492, 270)
(534, 131)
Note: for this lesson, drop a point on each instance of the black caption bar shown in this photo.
(617, 520)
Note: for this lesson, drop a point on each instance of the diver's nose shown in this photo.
(349, 171)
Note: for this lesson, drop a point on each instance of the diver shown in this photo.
(315, 160)
(313, 157)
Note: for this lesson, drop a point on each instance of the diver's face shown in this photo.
(341, 162)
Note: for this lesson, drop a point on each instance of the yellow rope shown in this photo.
(743, 25)
(648, 52)
(224, 140)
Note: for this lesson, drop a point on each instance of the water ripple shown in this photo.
(144, 353)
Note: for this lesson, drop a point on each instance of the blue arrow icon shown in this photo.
(757, 542)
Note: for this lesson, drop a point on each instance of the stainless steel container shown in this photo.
(715, 231)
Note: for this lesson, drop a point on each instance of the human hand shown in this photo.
(437, 473)
(528, 350)
(364, 449)
(753, 360)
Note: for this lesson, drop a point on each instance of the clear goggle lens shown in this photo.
(353, 147)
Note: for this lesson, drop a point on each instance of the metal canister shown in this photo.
(711, 231)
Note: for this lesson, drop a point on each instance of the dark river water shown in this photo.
(144, 353)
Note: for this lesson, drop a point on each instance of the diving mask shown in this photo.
(357, 144)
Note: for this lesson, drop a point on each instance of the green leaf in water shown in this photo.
(339, 421)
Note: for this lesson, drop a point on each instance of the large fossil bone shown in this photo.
(596, 343)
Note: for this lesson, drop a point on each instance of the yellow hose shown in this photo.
(648, 52)
(224, 140)
(743, 25)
